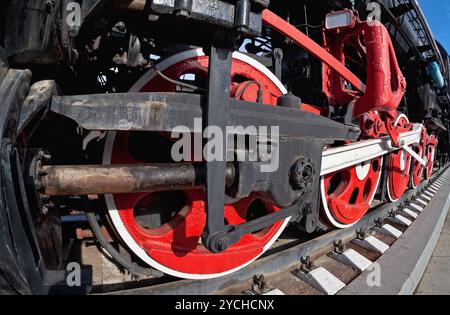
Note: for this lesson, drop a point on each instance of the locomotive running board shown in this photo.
(339, 158)
(158, 111)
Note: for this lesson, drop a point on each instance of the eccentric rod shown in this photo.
(117, 179)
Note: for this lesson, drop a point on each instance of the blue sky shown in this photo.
(438, 16)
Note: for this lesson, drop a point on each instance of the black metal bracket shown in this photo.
(217, 112)
(278, 62)
(244, 16)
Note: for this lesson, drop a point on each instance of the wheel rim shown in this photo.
(347, 194)
(417, 168)
(399, 168)
(171, 242)
(431, 150)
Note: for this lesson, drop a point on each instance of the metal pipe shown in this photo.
(116, 179)
(133, 5)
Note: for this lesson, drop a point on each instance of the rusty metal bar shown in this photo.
(115, 179)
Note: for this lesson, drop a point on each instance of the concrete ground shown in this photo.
(436, 280)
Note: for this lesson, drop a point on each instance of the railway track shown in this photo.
(329, 263)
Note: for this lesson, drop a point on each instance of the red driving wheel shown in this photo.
(399, 167)
(164, 228)
(346, 194)
(417, 168)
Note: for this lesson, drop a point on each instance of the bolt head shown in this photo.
(222, 244)
(303, 173)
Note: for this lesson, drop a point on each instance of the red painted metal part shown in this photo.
(313, 109)
(372, 126)
(417, 170)
(334, 41)
(399, 174)
(399, 165)
(288, 30)
(175, 245)
(199, 67)
(349, 192)
(349, 200)
(393, 129)
(386, 84)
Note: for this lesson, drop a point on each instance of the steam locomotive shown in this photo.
(182, 137)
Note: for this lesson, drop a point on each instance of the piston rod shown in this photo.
(117, 179)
